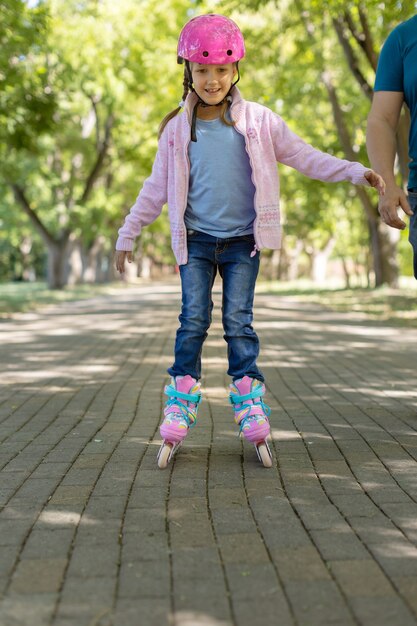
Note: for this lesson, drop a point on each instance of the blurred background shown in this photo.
(84, 85)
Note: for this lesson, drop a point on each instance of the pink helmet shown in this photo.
(211, 39)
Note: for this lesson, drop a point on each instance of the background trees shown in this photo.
(81, 101)
(323, 57)
(84, 85)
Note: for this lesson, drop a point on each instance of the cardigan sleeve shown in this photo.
(150, 200)
(291, 150)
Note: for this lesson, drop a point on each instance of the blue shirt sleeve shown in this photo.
(390, 71)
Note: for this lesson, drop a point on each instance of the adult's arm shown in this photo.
(381, 144)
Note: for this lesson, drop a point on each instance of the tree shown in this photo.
(73, 164)
(325, 57)
(85, 85)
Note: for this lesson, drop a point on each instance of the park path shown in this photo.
(93, 534)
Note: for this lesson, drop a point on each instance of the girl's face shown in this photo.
(212, 82)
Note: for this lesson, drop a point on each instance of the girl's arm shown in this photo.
(149, 202)
(291, 150)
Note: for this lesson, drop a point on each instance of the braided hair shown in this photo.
(187, 87)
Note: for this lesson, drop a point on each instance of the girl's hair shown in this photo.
(169, 116)
(187, 84)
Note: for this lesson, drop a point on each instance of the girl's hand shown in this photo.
(120, 258)
(375, 180)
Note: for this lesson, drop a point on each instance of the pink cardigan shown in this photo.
(268, 141)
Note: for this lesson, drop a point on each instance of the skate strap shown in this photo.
(174, 403)
(190, 397)
(262, 409)
(250, 411)
(235, 399)
(172, 406)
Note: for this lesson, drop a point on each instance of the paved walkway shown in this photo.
(93, 534)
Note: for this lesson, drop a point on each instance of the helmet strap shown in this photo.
(194, 122)
(201, 102)
(238, 75)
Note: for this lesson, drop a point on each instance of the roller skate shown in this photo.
(251, 415)
(180, 415)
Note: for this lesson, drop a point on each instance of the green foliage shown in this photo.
(27, 102)
(75, 74)
(78, 75)
(289, 46)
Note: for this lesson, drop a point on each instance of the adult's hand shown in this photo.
(394, 199)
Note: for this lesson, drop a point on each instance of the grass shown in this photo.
(391, 306)
(22, 297)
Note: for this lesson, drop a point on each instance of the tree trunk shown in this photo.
(320, 260)
(345, 272)
(294, 260)
(388, 241)
(92, 262)
(57, 261)
(384, 248)
(275, 264)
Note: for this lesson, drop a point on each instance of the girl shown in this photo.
(216, 168)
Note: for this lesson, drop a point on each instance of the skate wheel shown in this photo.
(164, 455)
(264, 454)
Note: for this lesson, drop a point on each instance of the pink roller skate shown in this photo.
(251, 415)
(180, 415)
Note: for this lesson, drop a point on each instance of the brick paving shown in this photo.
(93, 534)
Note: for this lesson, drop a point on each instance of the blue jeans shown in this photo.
(412, 237)
(232, 258)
